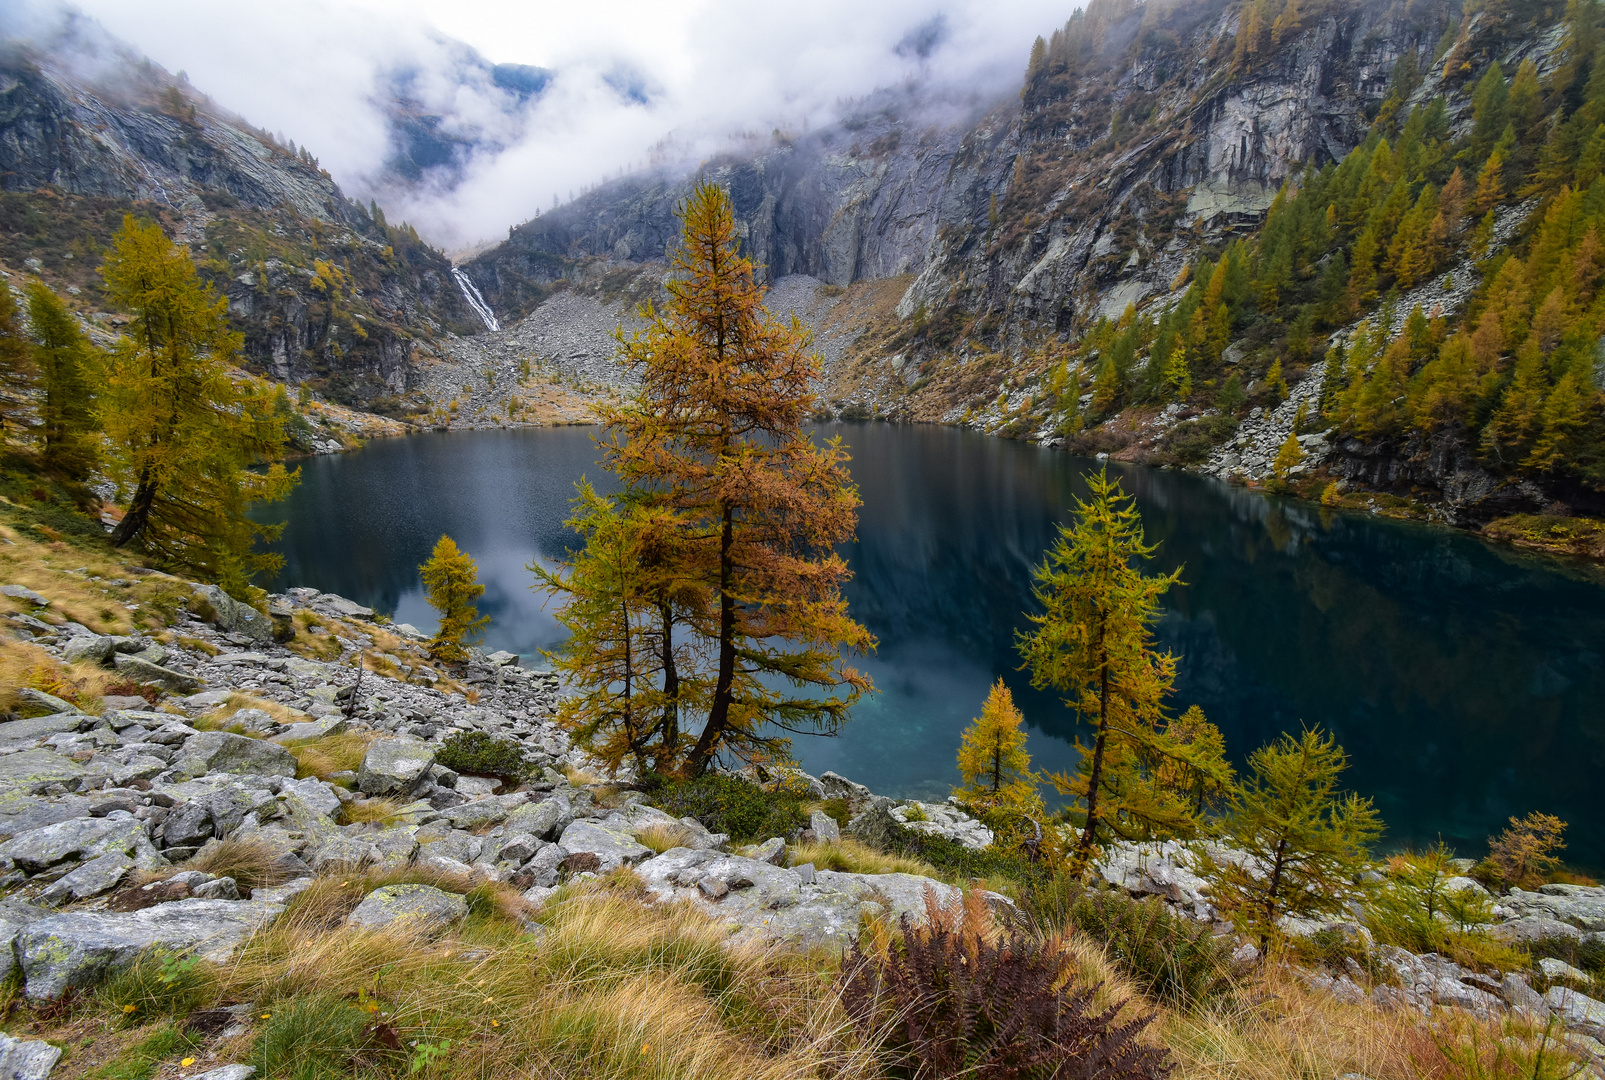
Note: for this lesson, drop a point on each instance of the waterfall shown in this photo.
(475, 301)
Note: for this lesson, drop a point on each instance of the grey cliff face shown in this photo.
(1089, 221)
(257, 215)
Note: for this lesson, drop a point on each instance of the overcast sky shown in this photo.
(710, 68)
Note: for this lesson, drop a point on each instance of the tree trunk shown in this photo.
(1084, 849)
(138, 515)
(719, 710)
(670, 724)
(1270, 891)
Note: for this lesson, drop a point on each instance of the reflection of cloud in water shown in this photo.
(904, 739)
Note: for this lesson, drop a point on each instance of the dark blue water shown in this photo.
(1466, 681)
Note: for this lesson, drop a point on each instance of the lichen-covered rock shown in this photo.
(1160, 868)
(234, 617)
(99, 875)
(31, 770)
(75, 839)
(80, 949)
(610, 841)
(394, 766)
(225, 752)
(546, 819)
(945, 820)
(826, 830)
(227, 1072)
(30, 730)
(1582, 906)
(1579, 1012)
(26, 1059)
(96, 648)
(147, 673)
(766, 903)
(423, 908)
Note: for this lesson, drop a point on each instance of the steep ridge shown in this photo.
(982, 245)
(324, 290)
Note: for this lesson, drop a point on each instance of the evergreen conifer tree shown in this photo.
(451, 582)
(1306, 840)
(1093, 644)
(992, 757)
(184, 434)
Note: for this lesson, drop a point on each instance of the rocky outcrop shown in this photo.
(81, 150)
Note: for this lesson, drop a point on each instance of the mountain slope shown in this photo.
(323, 289)
(1152, 145)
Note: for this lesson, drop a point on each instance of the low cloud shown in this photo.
(626, 77)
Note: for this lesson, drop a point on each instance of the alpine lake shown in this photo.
(1466, 681)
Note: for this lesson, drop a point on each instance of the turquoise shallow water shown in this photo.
(1466, 681)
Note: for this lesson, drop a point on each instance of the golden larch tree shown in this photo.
(451, 582)
(184, 431)
(992, 757)
(1092, 643)
(715, 439)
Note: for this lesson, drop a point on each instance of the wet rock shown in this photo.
(416, 907)
(80, 949)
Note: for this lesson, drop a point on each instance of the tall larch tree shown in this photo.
(715, 437)
(184, 433)
(69, 367)
(1092, 643)
(992, 757)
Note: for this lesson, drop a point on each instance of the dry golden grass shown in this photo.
(25, 665)
(661, 838)
(611, 989)
(52, 570)
(851, 857)
(219, 719)
(251, 863)
(371, 812)
(323, 757)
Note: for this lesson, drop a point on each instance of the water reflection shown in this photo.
(1464, 680)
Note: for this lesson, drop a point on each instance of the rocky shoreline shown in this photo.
(99, 812)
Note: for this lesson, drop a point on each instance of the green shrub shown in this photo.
(479, 754)
(310, 1038)
(997, 867)
(729, 804)
(1170, 957)
(837, 811)
(159, 982)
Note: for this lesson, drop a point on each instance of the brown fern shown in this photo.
(949, 1002)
